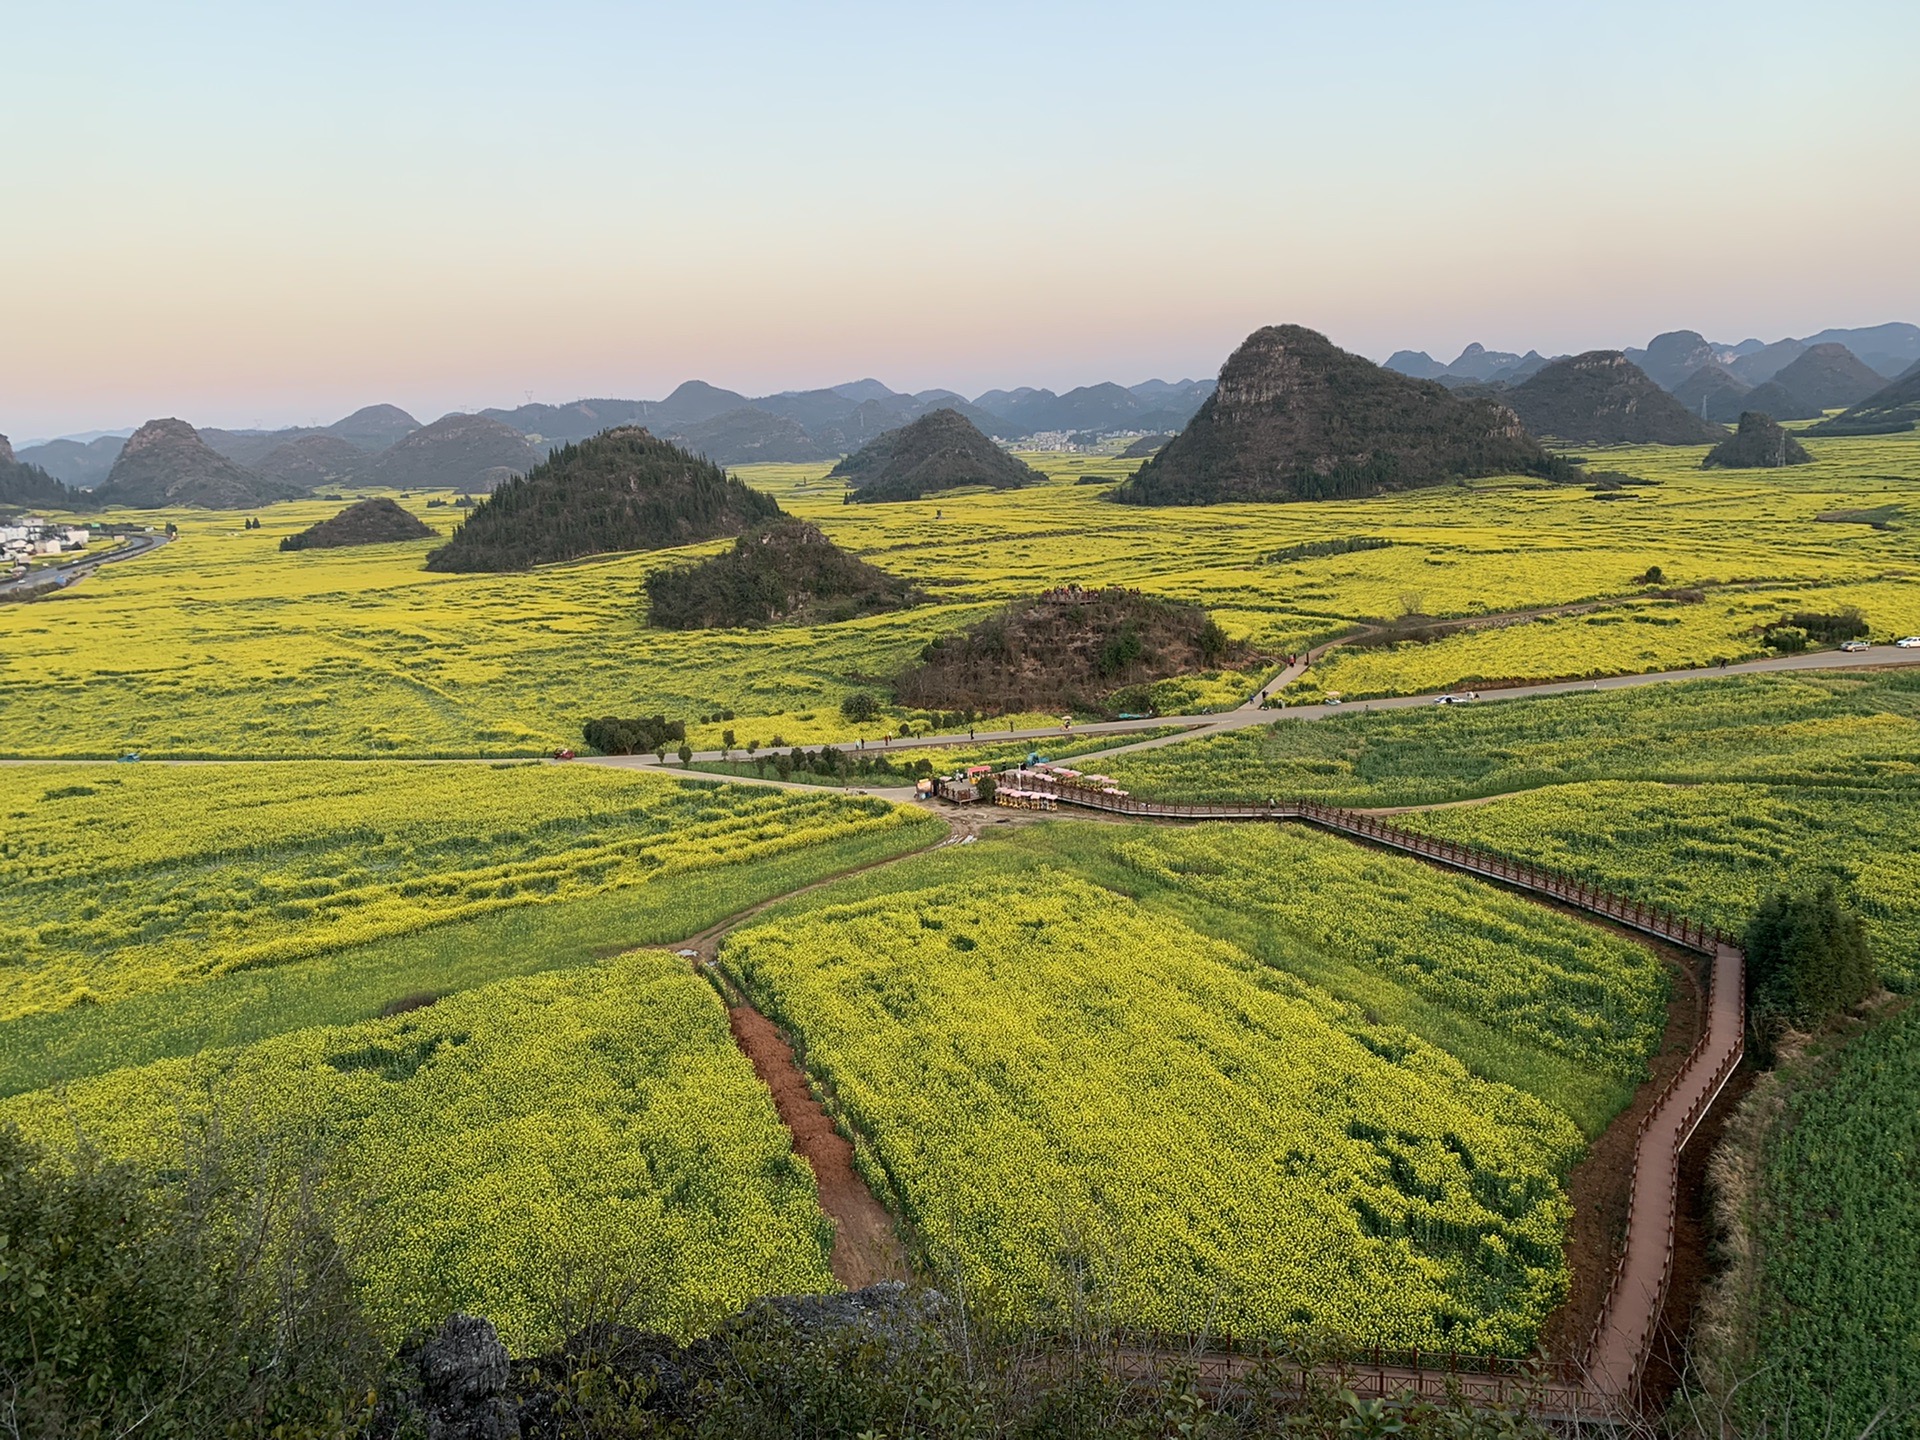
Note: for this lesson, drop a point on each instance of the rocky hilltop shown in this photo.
(787, 572)
(1886, 412)
(1759, 444)
(459, 452)
(167, 463)
(622, 490)
(942, 450)
(1297, 418)
(1603, 398)
(378, 521)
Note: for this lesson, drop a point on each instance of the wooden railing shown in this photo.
(1721, 1044)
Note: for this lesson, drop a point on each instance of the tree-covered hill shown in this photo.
(621, 490)
(369, 522)
(1603, 398)
(33, 488)
(1759, 444)
(942, 450)
(1297, 418)
(784, 572)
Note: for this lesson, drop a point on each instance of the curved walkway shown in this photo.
(1637, 1292)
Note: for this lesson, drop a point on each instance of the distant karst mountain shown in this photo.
(373, 427)
(1603, 398)
(312, 461)
(1828, 376)
(166, 463)
(1713, 393)
(1886, 412)
(460, 452)
(746, 436)
(785, 572)
(77, 463)
(31, 487)
(1297, 418)
(1670, 358)
(621, 490)
(378, 521)
(1777, 400)
(1759, 444)
(940, 451)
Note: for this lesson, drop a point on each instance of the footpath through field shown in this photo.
(1624, 1334)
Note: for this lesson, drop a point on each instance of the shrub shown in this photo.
(199, 1303)
(859, 707)
(1807, 959)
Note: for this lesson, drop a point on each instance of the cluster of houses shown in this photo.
(29, 535)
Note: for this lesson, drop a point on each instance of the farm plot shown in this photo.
(118, 882)
(511, 1151)
(1077, 1096)
(221, 645)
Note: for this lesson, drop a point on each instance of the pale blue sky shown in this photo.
(272, 212)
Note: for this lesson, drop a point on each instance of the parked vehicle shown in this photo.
(1854, 646)
(130, 757)
(1909, 642)
(563, 754)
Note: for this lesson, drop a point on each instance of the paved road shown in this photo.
(78, 569)
(1250, 714)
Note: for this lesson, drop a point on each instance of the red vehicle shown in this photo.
(563, 754)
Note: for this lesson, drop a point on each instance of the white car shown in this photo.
(1854, 647)
(1910, 642)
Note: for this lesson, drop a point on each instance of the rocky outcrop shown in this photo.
(1759, 444)
(456, 1384)
(1297, 418)
(166, 463)
(1603, 398)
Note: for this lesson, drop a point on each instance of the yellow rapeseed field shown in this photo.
(222, 645)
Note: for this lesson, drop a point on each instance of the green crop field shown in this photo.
(1206, 1075)
(1836, 1225)
(504, 1149)
(222, 645)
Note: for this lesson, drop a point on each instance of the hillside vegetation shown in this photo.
(34, 488)
(786, 572)
(1297, 418)
(378, 521)
(1890, 411)
(1760, 443)
(1069, 649)
(942, 450)
(621, 490)
(1603, 398)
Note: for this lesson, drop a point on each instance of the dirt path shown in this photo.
(865, 1248)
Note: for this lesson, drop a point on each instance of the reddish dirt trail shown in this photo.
(865, 1248)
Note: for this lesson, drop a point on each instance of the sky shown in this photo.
(257, 214)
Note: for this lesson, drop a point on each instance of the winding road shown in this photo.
(77, 570)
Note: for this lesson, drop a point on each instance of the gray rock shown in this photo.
(464, 1378)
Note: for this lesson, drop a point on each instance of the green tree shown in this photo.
(685, 752)
(859, 707)
(726, 743)
(1807, 959)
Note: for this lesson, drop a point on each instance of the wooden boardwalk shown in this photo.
(1609, 1375)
